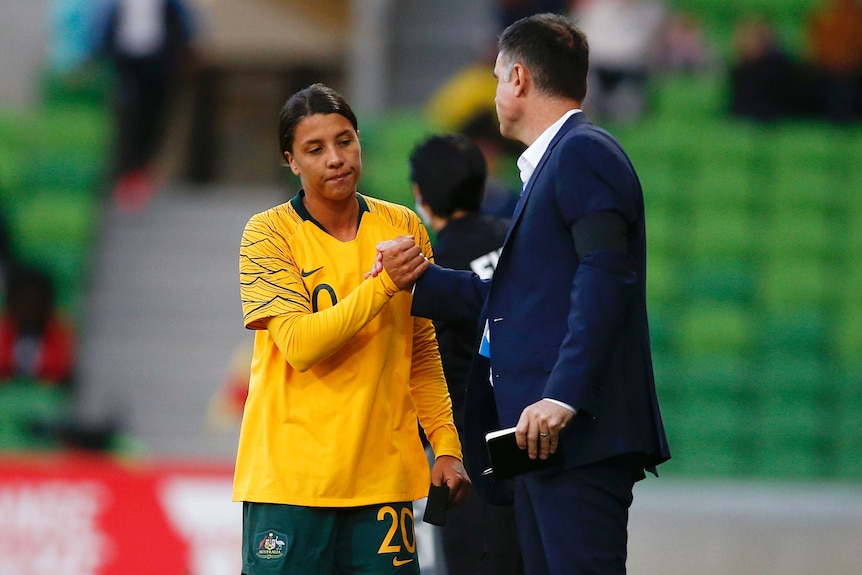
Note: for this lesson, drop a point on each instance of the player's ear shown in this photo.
(291, 162)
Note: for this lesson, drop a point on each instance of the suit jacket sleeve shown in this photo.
(449, 295)
(605, 282)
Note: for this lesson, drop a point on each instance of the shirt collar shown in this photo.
(528, 161)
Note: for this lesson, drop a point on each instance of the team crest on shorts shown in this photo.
(271, 545)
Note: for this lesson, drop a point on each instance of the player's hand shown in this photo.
(376, 268)
(402, 259)
(450, 470)
(539, 427)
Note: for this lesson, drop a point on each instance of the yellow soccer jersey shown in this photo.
(343, 370)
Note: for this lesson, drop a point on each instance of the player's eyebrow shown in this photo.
(313, 141)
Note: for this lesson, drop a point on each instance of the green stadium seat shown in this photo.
(73, 128)
(848, 464)
(14, 147)
(725, 281)
(706, 415)
(807, 185)
(725, 234)
(665, 237)
(722, 184)
(852, 230)
(671, 380)
(69, 173)
(55, 232)
(792, 462)
(723, 375)
(708, 434)
(662, 187)
(848, 332)
(662, 281)
(719, 328)
(803, 332)
(789, 234)
(846, 428)
(387, 142)
(792, 437)
(796, 374)
(24, 404)
(789, 283)
(89, 86)
(689, 96)
(714, 459)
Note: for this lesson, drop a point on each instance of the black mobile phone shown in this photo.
(435, 507)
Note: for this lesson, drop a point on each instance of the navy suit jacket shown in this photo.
(560, 326)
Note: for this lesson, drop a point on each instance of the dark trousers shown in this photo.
(574, 522)
(481, 539)
(141, 105)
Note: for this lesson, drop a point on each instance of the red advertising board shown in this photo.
(97, 515)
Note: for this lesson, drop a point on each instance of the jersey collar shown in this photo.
(300, 208)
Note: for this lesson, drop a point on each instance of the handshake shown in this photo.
(402, 259)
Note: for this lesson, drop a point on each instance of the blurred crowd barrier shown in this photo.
(87, 514)
(92, 515)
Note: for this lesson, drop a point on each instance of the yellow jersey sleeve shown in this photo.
(433, 404)
(305, 338)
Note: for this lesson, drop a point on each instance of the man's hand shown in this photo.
(450, 470)
(539, 427)
(402, 259)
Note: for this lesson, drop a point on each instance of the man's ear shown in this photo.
(291, 162)
(520, 79)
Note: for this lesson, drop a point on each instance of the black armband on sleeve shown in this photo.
(599, 231)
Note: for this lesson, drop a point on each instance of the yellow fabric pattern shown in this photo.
(340, 371)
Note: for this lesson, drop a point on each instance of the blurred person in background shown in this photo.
(564, 355)
(465, 104)
(766, 81)
(467, 94)
(226, 405)
(36, 341)
(330, 457)
(150, 45)
(73, 29)
(834, 34)
(624, 37)
(448, 173)
(682, 45)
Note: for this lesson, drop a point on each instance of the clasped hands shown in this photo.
(402, 259)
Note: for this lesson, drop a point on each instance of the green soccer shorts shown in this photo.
(296, 540)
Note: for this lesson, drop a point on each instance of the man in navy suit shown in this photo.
(565, 353)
